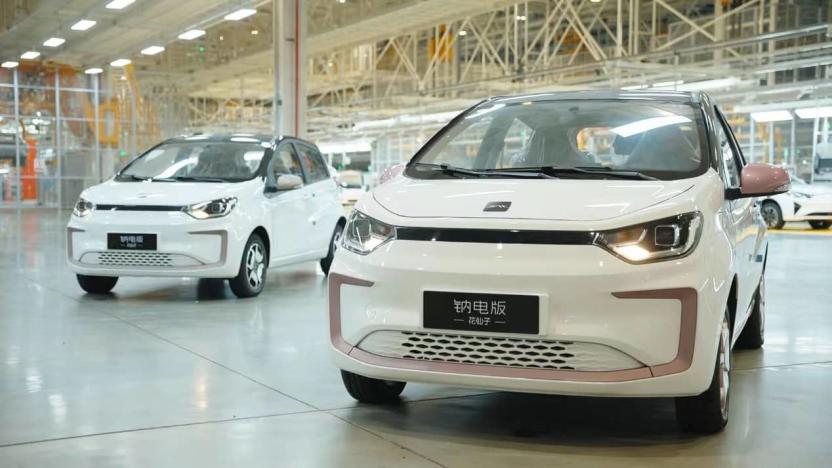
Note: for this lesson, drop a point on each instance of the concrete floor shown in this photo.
(174, 373)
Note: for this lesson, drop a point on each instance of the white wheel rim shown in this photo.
(255, 265)
(769, 215)
(724, 366)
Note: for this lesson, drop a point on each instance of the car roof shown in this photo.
(683, 97)
(235, 138)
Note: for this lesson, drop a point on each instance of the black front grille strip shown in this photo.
(496, 236)
(138, 208)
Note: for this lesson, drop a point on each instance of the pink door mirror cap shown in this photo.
(760, 180)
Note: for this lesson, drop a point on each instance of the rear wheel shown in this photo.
(252, 275)
(820, 224)
(326, 262)
(368, 390)
(772, 214)
(708, 412)
(753, 334)
(97, 284)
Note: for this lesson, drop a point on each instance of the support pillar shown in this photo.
(289, 62)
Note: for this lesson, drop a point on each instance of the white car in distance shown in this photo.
(804, 202)
(207, 206)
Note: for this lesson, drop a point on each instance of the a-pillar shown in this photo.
(289, 32)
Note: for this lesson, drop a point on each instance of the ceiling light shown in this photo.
(240, 14)
(342, 1)
(54, 42)
(120, 62)
(709, 84)
(462, 32)
(119, 4)
(254, 32)
(9, 64)
(191, 35)
(594, 1)
(93, 71)
(82, 25)
(520, 17)
(152, 50)
(771, 116)
(813, 112)
(30, 55)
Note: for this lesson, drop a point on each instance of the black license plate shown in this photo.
(122, 241)
(507, 313)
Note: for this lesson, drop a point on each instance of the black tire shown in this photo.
(752, 335)
(820, 224)
(368, 390)
(251, 278)
(772, 214)
(326, 262)
(97, 284)
(707, 413)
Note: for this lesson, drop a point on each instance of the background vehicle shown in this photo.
(804, 202)
(208, 206)
(596, 243)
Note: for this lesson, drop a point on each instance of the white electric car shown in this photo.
(207, 206)
(804, 202)
(593, 243)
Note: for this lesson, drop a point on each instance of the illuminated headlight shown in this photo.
(801, 195)
(212, 209)
(663, 239)
(364, 234)
(83, 208)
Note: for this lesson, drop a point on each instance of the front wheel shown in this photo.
(326, 262)
(252, 275)
(97, 284)
(708, 412)
(820, 224)
(772, 214)
(368, 390)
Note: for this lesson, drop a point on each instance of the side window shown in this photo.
(284, 162)
(313, 163)
(729, 157)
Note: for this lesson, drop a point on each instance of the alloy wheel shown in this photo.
(770, 215)
(255, 265)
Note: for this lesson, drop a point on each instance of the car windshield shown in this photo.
(197, 161)
(591, 138)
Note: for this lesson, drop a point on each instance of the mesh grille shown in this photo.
(497, 351)
(126, 258)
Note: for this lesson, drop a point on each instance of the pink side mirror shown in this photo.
(762, 180)
(390, 173)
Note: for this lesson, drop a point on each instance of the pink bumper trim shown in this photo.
(687, 296)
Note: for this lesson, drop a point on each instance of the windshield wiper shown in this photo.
(188, 179)
(453, 170)
(555, 171)
(131, 177)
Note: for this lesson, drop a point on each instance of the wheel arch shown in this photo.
(261, 231)
(732, 304)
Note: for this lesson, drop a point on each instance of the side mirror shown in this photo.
(760, 180)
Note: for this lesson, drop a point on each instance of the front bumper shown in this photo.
(185, 246)
(607, 327)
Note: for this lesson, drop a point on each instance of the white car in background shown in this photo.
(804, 202)
(207, 206)
(597, 243)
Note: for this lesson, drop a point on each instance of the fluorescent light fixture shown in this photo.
(462, 32)
(82, 25)
(30, 55)
(119, 4)
(594, 1)
(520, 17)
(240, 14)
(633, 87)
(771, 116)
(640, 126)
(9, 64)
(813, 112)
(153, 50)
(93, 71)
(254, 32)
(708, 84)
(54, 42)
(191, 35)
(120, 62)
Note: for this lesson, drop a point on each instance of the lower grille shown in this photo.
(497, 351)
(120, 258)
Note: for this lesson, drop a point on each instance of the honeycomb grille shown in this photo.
(153, 259)
(497, 351)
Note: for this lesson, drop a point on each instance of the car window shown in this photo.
(313, 163)
(194, 160)
(729, 158)
(285, 162)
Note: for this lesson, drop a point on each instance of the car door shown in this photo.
(324, 196)
(287, 209)
(744, 215)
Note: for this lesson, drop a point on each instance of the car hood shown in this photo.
(545, 199)
(161, 193)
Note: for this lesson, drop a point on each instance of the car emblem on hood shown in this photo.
(497, 206)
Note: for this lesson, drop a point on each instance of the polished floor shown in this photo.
(180, 373)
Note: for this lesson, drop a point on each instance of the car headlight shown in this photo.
(364, 234)
(662, 239)
(211, 209)
(801, 195)
(83, 207)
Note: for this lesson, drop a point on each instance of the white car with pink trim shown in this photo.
(594, 243)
